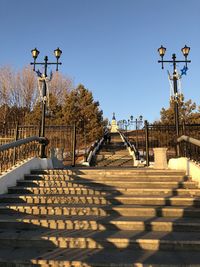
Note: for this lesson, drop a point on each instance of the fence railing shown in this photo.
(130, 145)
(17, 151)
(152, 136)
(66, 139)
(93, 150)
(189, 147)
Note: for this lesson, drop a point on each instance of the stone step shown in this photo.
(112, 157)
(107, 185)
(115, 161)
(90, 170)
(124, 163)
(109, 171)
(102, 200)
(63, 222)
(115, 257)
(111, 153)
(133, 211)
(146, 178)
(58, 190)
(101, 239)
(100, 210)
(109, 191)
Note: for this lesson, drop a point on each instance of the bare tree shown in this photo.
(27, 88)
(60, 86)
(19, 93)
(6, 84)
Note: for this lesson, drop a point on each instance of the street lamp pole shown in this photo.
(176, 111)
(44, 95)
(137, 122)
(125, 126)
(43, 76)
(185, 50)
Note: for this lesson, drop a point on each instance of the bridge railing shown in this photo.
(20, 150)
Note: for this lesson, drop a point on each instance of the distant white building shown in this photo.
(114, 127)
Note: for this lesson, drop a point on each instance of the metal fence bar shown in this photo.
(18, 151)
(164, 136)
(147, 141)
(74, 147)
(21, 142)
(190, 147)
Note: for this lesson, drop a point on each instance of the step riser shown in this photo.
(92, 244)
(93, 226)
(109, 185)
(138, 192)
(58, 191)
(108, 172)
(83, 200)
(100, 178)
(76, 211)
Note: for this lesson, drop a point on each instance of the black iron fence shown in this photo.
(60, 138)
(152, 136)
(17, 151)
(14, 132)
(189, 147)
(73, 146)
(65, 140)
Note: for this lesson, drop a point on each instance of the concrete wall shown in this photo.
(8, 179)
(192, 169)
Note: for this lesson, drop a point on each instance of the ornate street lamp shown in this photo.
(185, 50)
(138, 121)
(43, 77)
(57, 53)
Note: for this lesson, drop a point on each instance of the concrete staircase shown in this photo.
(114, 154)
(101, 217)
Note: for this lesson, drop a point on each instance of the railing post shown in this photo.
(147, 141)
(184, 144)
(16, 138)
(74, 146)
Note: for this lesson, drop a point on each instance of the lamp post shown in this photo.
(35, 53)
(120, 124)
(138, 121)
(83, 122)
(125, 126)
(185, 50)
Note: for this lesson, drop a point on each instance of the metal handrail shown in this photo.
(132, 147)
(93, 150)
(20, 150)
(190, 148)
(189, 140)
(22, 142)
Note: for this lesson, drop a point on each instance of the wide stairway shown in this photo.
(101, 217)
(114, 154)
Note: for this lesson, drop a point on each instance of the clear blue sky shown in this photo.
(108, 45)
